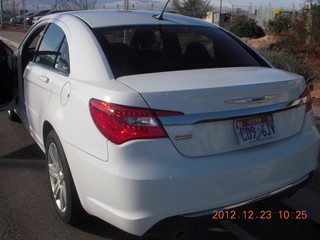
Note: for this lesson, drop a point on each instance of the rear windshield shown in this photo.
(147, 49)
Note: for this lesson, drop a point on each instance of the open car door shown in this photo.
(7, 78)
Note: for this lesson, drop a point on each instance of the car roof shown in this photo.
(40, 12)
(104, 18)
(57, 11)
(25, 14)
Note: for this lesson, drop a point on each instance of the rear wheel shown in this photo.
(62, 189)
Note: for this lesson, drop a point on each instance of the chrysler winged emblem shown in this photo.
(252, 100)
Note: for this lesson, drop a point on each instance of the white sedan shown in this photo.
(143, 118)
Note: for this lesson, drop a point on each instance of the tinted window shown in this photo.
(30, 46)
(53, 50)
(62, 62)
(146, 49)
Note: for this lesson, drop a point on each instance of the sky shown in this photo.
(287, 4)
(275, 4)
(245, 4)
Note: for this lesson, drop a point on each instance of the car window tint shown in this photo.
(146, 49)
(187, 38)
(49, 46)
(119, 36)
(35, 41)
(62, 62)
(30, 45)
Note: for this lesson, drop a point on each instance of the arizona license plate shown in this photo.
(254, 129)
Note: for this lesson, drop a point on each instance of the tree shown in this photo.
(306, 30)
(247, 29)
(312, 25)
(192, 8)
(76, 4)
(12, 6)
(280, 24)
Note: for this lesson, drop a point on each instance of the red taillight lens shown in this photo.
(161, 113)
(307, 94)
(121, 123)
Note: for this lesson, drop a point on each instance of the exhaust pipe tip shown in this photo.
(180, 234)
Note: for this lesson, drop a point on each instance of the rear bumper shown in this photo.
(146, 181)
(280, 193)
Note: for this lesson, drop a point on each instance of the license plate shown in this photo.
(253, 129)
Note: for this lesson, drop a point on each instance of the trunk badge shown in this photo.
(183, 137)
(252, 100)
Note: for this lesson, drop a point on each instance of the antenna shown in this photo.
(160, 17)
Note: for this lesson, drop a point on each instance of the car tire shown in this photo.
(62, 188)
(13, 116)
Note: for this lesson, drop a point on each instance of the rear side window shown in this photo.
(146, 49)
(62, 61)
(53, 50)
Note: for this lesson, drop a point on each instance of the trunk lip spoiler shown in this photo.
(190, 119)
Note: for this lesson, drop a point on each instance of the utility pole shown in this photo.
(231, 10)
(2, 25)
(24, 11)
(220, 12)
(293, 12)
(125, 5)
(249, 11)
(270, 11)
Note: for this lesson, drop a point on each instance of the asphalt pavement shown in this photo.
(11, 38)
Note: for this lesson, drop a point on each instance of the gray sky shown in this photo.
(287, 4)
(275, 4)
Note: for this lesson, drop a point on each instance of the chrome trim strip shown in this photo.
(250, 201)
(219, 116)
(253, 100)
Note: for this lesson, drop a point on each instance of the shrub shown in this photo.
(286, 61)
(279, 25)
(301, 36)
(247, 29)
(192, 8)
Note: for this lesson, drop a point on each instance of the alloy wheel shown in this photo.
(57, 179)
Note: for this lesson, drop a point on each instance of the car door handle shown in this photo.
(44, 79)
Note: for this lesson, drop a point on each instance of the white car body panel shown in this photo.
(120, 18)
(92, 50)
(198, 93)
(202, 91)
(73, 120)
(204, 136)
(69, 119)
(38, 82)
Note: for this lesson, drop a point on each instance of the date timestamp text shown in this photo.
(259, 215)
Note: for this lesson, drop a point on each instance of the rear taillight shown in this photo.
(121, 123)
(307, 95)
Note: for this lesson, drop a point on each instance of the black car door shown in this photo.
(7, 78)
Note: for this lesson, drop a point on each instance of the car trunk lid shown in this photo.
(221, 104)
